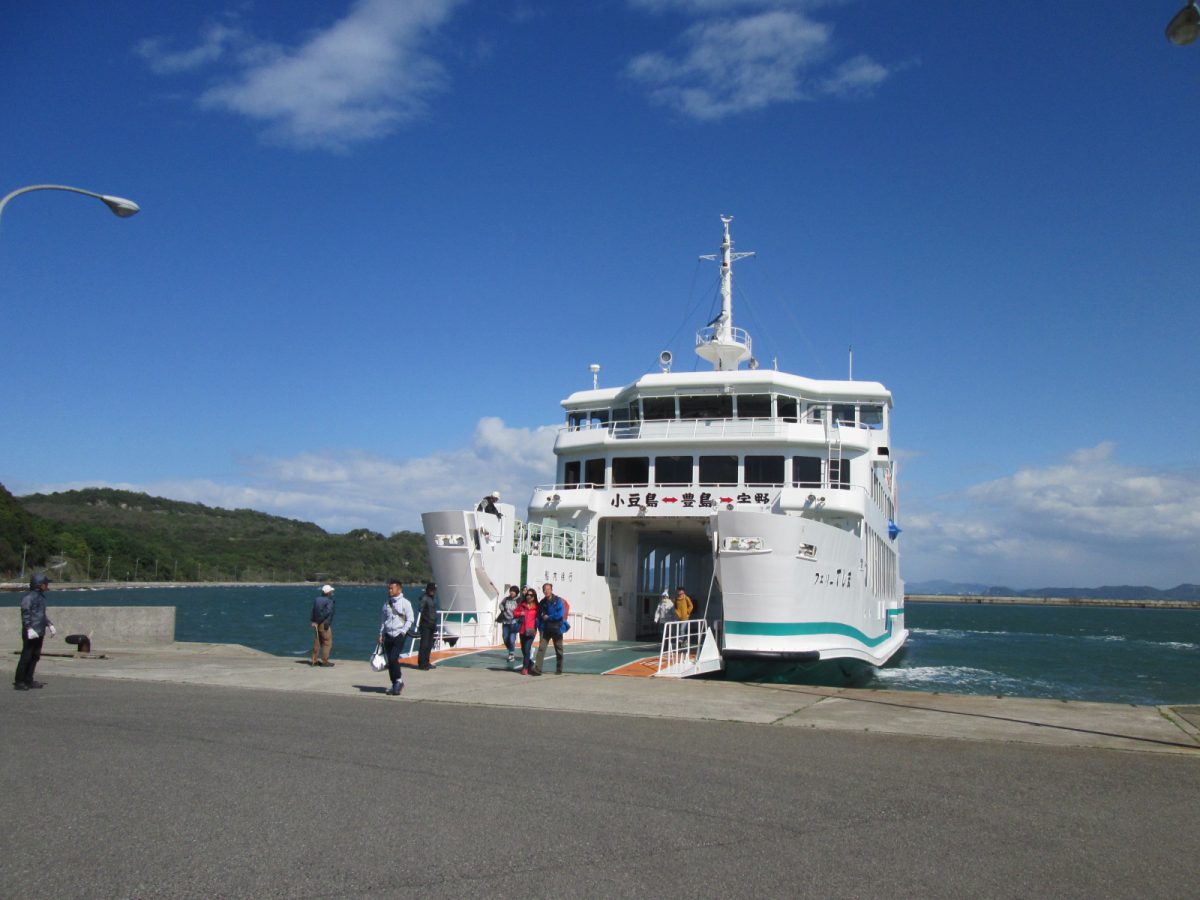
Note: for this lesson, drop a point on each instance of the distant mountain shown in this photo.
(103, 534)
(1107, 592)
(940, 586)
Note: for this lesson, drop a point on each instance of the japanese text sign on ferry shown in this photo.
(688, 500)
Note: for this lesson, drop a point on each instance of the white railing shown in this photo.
(474, 630)
(533, 539)
(681, 642)
(583, 627)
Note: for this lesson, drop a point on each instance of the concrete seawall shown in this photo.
(109, 626)
(1052, 601)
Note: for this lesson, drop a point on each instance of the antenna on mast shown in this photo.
(720, 343)
(851, 349)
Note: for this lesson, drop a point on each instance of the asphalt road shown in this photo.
(127, 789)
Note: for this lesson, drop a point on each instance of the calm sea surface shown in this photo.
(1113, 655)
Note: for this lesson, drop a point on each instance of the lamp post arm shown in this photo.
(119, 205)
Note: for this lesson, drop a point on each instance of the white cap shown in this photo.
(495, 495)
(327, 589)
(666, 594)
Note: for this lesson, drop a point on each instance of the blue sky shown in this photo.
(380, 241)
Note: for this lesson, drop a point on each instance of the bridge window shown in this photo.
(718, 470)
(632, 470)
(764, 470)
(843, 413)
(754, 406)
(839, 473)
(571, 472)
(709, 406)
(593, 472)
(675, 470)
(788, 408)
(871, 416)
(806, 471)
(657, 409)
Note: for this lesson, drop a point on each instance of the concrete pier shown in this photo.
(213, 770)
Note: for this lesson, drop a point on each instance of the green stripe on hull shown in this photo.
(795, 629)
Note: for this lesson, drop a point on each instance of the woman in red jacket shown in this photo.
(526, 619)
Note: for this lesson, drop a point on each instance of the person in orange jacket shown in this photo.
(683, 605)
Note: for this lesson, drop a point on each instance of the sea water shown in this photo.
(1104, 654)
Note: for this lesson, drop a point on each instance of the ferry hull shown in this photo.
(795, 591)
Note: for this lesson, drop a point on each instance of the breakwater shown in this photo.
(1052, 601)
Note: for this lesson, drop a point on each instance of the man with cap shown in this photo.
(428, 614)
(488, 504)
(35, 625)
(322, 623)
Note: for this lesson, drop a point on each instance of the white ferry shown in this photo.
(769, 497)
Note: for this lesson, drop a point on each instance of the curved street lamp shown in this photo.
(119, 205)
(1185, 27)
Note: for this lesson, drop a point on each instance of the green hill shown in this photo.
(104, 534)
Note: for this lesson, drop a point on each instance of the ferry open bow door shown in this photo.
(669, 559)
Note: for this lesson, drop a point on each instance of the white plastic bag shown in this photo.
(378, 660)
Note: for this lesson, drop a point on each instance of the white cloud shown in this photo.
(358, 79)
(344, 490)
(758, 53)
(1086, 522)
(215, 41)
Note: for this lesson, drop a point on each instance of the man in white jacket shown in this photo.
(397, 619)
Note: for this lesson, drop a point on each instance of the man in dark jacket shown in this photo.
(35, 625)
(425, 631)
(322, 623)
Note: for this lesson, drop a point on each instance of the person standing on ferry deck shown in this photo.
(526, 616)
(427, 626)
(397, 619)
(322, 623)
(35, 625)
(551, 615)
(508, 624)
(665, 611)
(683, 605)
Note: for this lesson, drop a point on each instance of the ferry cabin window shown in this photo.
(588, 418)
(843, 413)
(754, 406)
(788, 408)
(630, 413)
(718, 470)
(675, 470)
(657, 409)
(871, 416)
(631, 470)
(708, 406)
(571, 472)
(839, 473)
(806, 471)
(593, 472)
(764, 470)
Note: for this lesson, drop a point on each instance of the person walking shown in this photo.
(551, 616)
(35, 625)
(427, 626)
(665, 611)
(526, 616)
(397, 619)
(322, 623)
(683, 605)
(507, 620)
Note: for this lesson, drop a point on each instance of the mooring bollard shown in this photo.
(83, 642)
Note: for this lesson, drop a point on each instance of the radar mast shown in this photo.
(719, 342)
